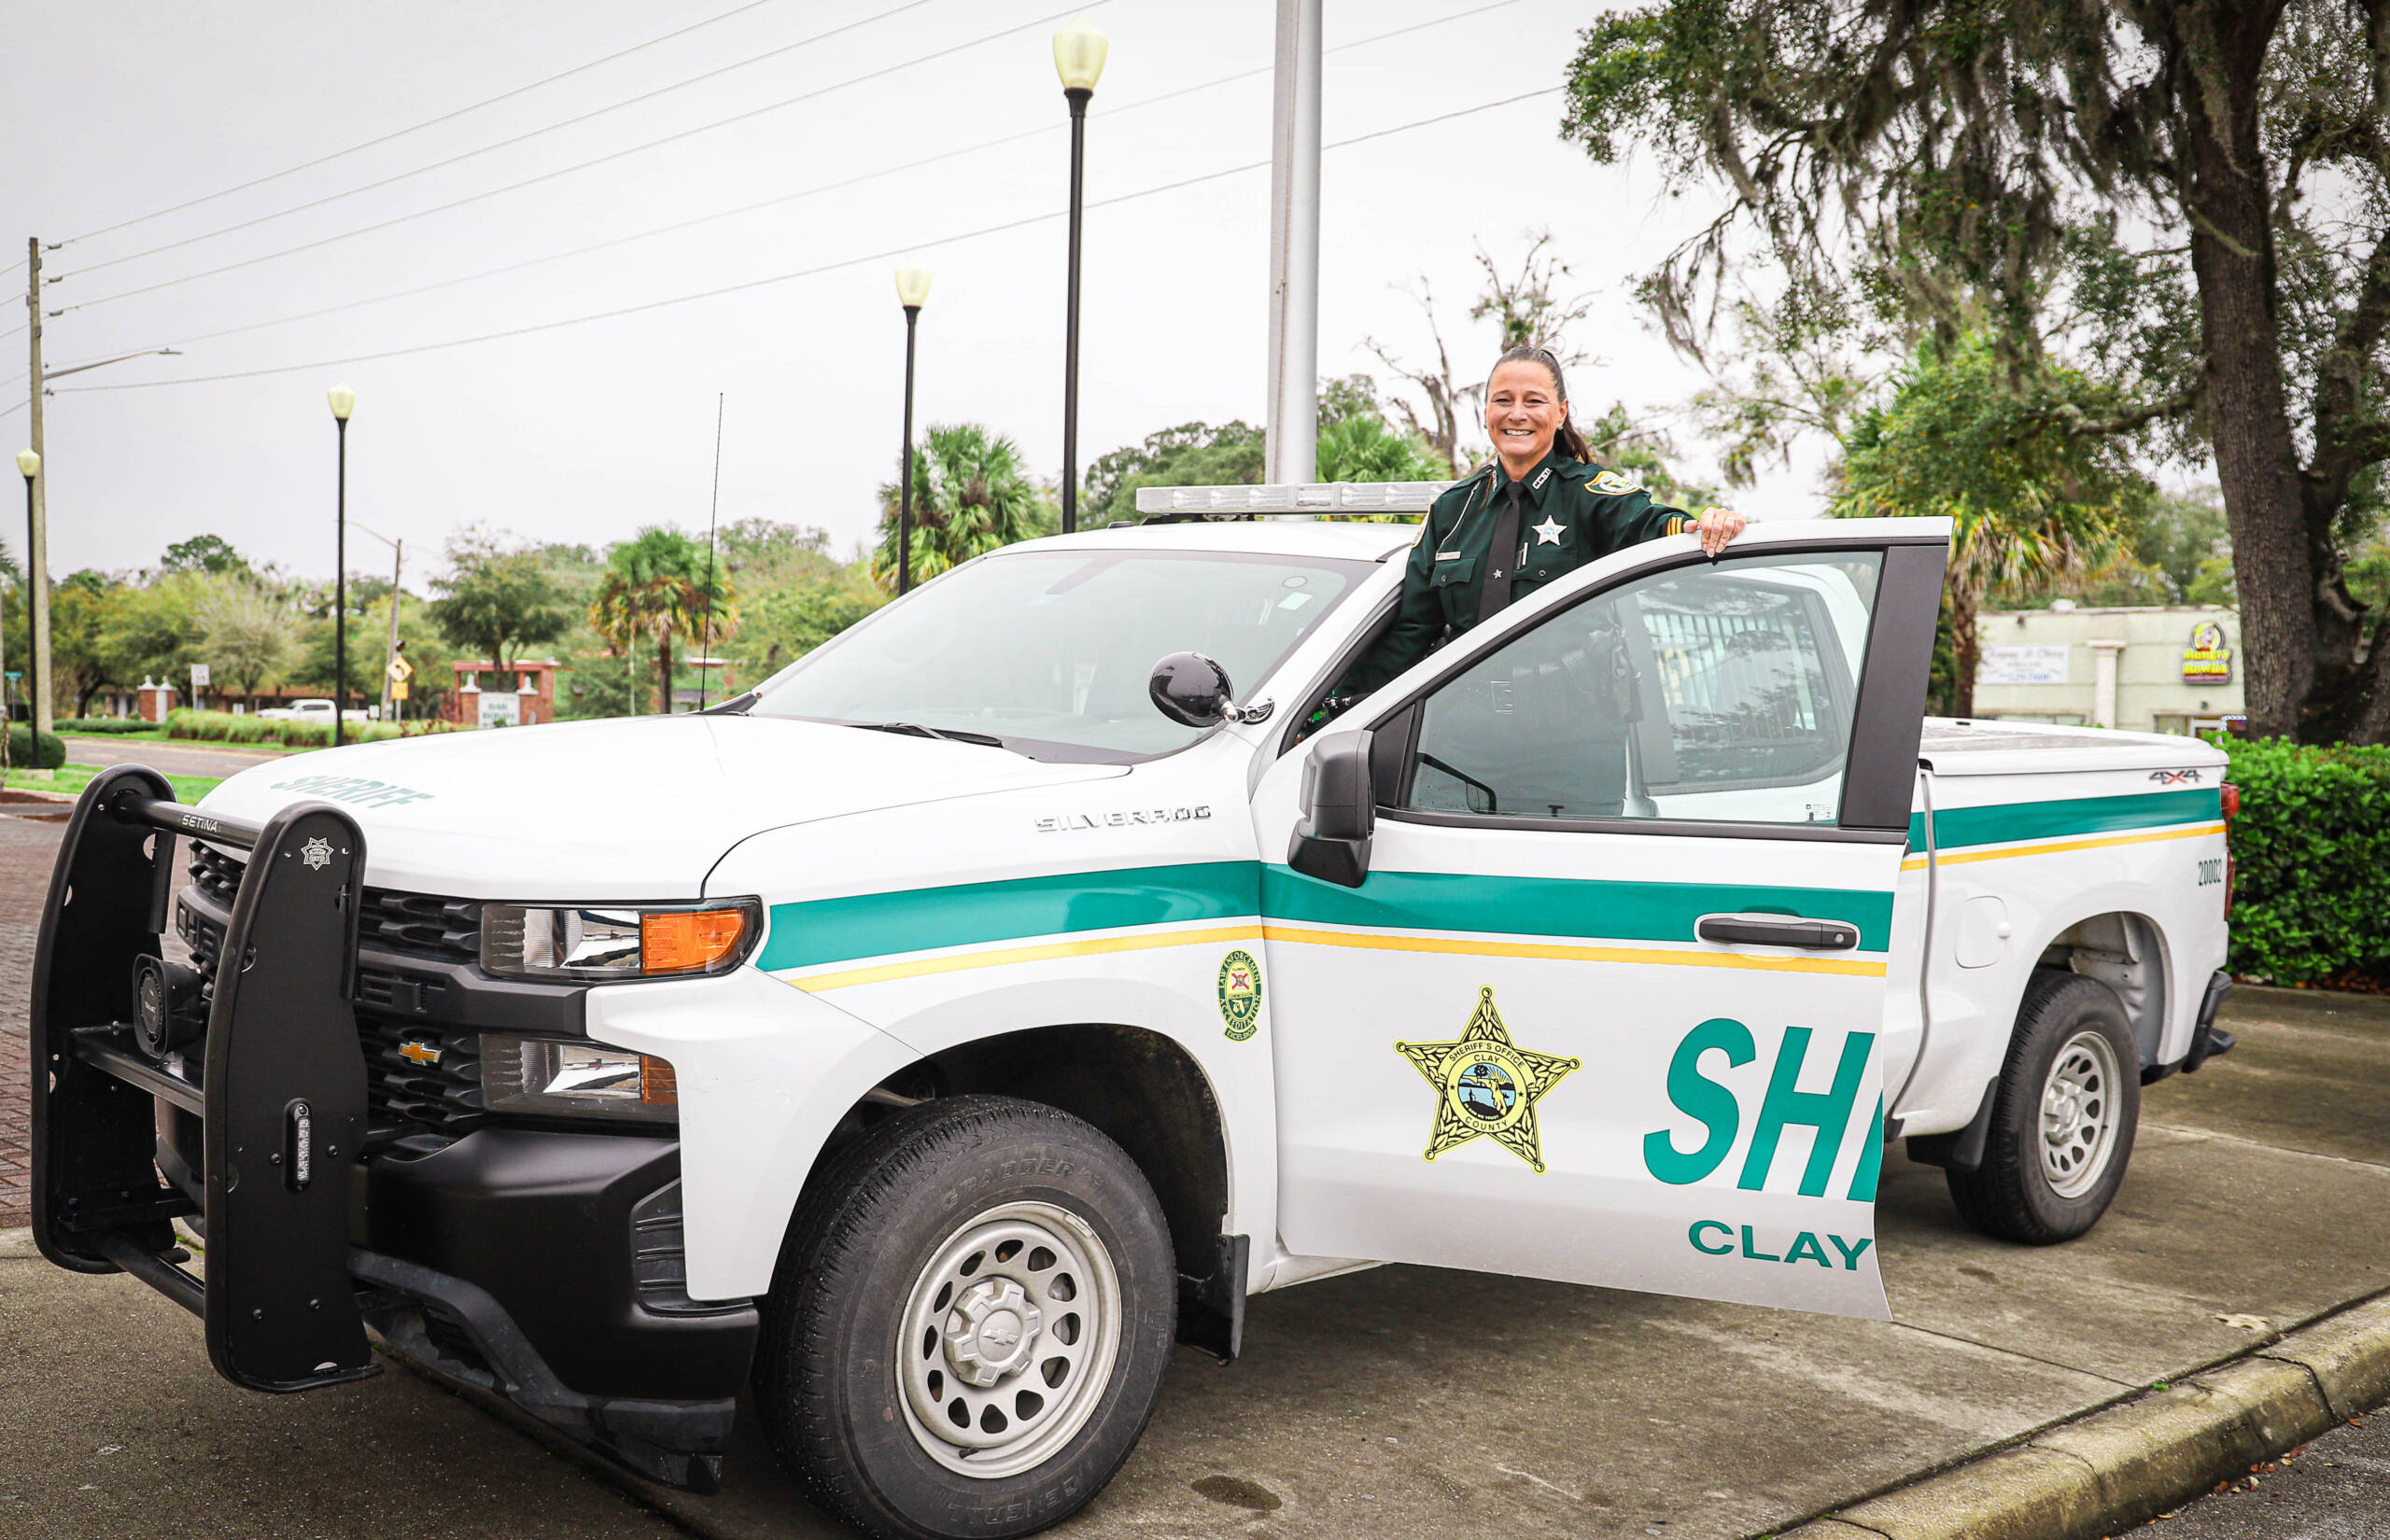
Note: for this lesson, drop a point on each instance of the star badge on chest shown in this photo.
(1548, 532)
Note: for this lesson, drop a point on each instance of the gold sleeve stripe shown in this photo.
(1678, 522)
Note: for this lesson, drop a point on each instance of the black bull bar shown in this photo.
(279, 1083)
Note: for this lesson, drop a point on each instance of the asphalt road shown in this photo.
(2337, 1488)
(174, 759)
(1401, 1402)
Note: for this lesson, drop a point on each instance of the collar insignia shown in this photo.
(1486, 1085)
(1540, 477)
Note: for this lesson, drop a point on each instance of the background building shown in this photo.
(2173, 668)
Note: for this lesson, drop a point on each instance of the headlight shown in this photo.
(600, 944)
(528, 1075)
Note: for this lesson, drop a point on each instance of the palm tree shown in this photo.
(655, 588)
(2033, 495)
(970, 496)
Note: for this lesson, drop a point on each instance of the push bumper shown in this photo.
(543, 1265)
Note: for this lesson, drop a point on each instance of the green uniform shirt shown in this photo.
(1569, 513)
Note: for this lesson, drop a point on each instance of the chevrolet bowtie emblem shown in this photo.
(418, 1052)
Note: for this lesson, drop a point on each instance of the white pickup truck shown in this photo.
(312, 708)
(930, 1036)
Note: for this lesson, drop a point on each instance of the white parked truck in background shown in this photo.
(979, 1005)
(313, 708)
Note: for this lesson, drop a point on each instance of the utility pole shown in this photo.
(398, 564)
(1292, 446)
(38, 539)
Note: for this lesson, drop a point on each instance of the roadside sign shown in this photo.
(199, 676)
(399, 691)
(402, 670)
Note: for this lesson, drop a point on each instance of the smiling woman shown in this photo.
(1537, 510)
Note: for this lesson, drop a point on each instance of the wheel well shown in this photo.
(1141, 1089)
(2126, 953)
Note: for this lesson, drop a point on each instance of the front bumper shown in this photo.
(335, 1186)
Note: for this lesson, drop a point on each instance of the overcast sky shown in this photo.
(114, 109)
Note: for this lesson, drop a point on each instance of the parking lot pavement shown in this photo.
(1402, 1402)
(2337, 1488)
(116, 1427)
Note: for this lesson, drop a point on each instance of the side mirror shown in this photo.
(1194, 692)
(1332, 840)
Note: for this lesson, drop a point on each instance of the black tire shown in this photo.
(828, 1364)
(2013, 1195)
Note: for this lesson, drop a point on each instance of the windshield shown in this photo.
(1049, 652)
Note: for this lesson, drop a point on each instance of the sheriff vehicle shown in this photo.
(1028, 977)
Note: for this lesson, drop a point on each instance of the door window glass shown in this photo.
(1718, 693)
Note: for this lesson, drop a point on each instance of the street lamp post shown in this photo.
(1080, 51)
(912, 292)
(29, 466)
(343, 401)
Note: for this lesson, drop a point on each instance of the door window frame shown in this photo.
(1888, 719)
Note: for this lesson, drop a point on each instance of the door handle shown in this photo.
(1816, 935)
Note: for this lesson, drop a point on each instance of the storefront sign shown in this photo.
(2022, 664)
(2207, 660)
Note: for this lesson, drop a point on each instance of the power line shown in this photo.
(506, 143)
(567, 171)
(804, 272)
(428, 123)
(1117, 111)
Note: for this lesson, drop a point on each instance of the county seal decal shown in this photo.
(1486, 1085)
(1240, 995)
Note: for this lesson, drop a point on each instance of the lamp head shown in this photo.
(1078, 54)
(912, 283)
(29, 463)
(343, 401)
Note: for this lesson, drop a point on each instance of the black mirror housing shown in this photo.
(1190, 689)
(1332, 840)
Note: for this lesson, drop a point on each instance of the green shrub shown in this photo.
(2311, 849)
(225, 727)
(21, 749)
(104, 724)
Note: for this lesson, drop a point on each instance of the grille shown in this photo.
(417, 924)
(421, 925)
(439, 1089)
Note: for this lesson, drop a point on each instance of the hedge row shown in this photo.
(21, 749)
(225, 727)
(103, 724)
(2311, 856)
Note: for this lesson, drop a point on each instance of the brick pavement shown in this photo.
(27, 851)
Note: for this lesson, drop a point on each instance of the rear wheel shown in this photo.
(970, 1323)
(2063, 1116)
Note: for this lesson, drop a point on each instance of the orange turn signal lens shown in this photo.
(658, 1085)
(688, 942)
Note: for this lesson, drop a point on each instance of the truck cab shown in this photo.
(1033, 973)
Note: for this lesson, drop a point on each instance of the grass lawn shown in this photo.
(72, 779)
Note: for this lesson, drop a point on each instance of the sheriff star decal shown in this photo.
(1486, 1085)
(315, 854)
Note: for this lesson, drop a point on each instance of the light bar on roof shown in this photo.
(1304, 497)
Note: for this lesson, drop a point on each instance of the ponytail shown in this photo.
(1568, 440)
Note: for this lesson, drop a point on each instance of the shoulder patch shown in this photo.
(1610, 484)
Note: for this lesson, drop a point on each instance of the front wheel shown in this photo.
(2063, 1116)
(969, 1326)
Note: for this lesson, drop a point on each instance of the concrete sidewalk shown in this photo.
(1404, 1402)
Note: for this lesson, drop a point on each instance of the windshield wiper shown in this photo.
(917, 730)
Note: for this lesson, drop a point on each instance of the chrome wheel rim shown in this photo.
(1007, 1339)
(2079, 1114)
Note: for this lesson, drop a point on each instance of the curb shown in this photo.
(2127, 1463)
